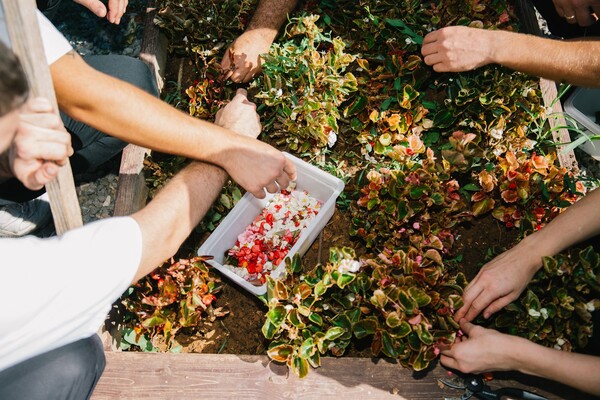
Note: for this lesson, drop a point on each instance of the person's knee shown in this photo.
(69, 372)
(125, 68)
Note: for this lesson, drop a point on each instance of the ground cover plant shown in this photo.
(422, 154)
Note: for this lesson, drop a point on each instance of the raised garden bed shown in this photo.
(380, 136)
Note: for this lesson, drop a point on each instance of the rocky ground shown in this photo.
(88, 35)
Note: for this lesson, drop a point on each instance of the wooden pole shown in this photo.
(25, 37)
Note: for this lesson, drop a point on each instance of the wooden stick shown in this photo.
(24, 32)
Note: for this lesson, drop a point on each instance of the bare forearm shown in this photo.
(577, 370)
(575, 62)
(170, 217)
(579, 222)
(123, 111)
(270, 16)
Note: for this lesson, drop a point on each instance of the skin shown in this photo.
(116, 9)
(459, 48)
(483, 350)
(581, 12)
(242, 59)
(38, 147)
(123, 111)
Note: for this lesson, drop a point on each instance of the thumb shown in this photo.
(466, 326)
(95, 6)
(241, 92)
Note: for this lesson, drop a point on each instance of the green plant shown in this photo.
(175, 296)
(556, 308)
(404, 307)
(305, 83)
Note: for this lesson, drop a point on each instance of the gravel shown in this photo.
(88, 35)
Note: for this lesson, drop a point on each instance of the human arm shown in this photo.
(123, 111)
(242, 59)
(460, 48)
(485, 350)
(40, 146)
(116, 9)
(578, 11)
(503, 279)
(170, 217)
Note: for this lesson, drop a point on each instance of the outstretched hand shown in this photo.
(256, 166)
(457, 48)
(116, 9)
(479, 350)
(41, 145)
(500, 282)
(578, 11)
(242, 59)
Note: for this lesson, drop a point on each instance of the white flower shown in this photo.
(534, 313)
(289, 307)
(496, 133)
(331, 138)
(544, 313)
(590, 306)
(409, 41)
(347, 266)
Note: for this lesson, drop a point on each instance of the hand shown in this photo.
(458, 48)
(240, 116)
(480, 350)
(116, 9)
(501, 281)
(242, 59)
(41, 145)
(578, 11)
(251, 163)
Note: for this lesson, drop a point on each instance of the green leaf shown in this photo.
(300, 367)
(334, 333)
(398, 23)
(316, 318)
(307, 348)
(359, 104)
(281, 352)
(268, 329)
(277, 315)
(365, 327)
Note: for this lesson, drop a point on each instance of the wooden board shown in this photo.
(226, 376)
(549, 93)
(27, 44)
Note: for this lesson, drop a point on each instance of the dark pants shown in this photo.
(92, 147)
(67, 373)
(559, 26)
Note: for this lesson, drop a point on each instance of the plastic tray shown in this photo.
(319, 184)
(582, 105)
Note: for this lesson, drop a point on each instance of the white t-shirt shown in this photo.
(55, 44)
(56, 291)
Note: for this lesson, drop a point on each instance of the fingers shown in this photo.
(38, 105)
(95, 6)
(290, 170)
(466, 327)
(116, 9)
(45, 174)
(496, 306)
(471, 292)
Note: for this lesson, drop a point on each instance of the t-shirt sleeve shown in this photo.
(59, 290)
(55, 44)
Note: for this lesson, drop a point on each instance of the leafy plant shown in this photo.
(556, 308)
(175, 296)
(305, 83)
(405, 308)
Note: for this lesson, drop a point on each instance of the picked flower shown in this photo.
(265, 243)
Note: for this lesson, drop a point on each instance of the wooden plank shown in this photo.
(226, 376)
(27, 44)
(549, 93)
(132, 191)
(131, 188)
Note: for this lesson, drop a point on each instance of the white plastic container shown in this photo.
(582, 106)
(319, 184)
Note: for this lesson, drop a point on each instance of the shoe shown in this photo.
(20, 219)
